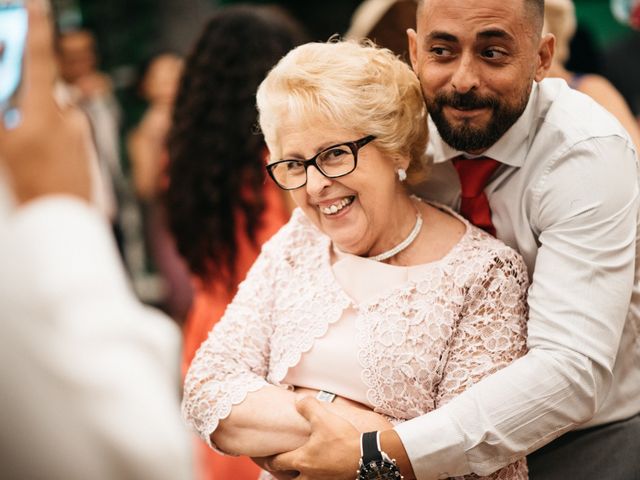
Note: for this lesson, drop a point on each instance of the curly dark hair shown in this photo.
(216, 154)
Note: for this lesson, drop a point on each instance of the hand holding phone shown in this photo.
(46, 154)
(13, 34)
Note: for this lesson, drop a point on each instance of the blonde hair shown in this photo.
(356, 86)
(560, 20)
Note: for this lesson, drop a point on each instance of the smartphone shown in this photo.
(13, 36)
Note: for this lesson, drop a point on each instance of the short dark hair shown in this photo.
(535, 7)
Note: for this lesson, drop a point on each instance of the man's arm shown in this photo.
(586, 214)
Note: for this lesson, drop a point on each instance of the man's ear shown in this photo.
(412, 38)
(546, 50)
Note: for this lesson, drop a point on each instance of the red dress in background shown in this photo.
(209, 304)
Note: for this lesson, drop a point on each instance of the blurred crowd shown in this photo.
(184, 189)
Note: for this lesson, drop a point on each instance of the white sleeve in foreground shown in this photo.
(93, 374)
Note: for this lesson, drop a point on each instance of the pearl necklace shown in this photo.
(403, 244)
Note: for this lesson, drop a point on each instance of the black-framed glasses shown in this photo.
(332, 162)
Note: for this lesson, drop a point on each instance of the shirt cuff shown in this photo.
(434, 444)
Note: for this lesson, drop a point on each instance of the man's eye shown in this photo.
(440, 51)
(494, 54)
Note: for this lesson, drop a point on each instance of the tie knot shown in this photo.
(474, 174)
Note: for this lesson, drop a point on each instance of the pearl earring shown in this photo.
(402, 174)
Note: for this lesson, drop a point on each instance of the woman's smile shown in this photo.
(336, 208)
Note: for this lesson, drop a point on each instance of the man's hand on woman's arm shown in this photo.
(333, 448)
(268, 422)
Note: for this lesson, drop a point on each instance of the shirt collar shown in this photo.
(510, 149)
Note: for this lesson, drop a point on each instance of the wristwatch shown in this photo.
(374, 463)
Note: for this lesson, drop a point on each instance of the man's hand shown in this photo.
(47, 152)
(333, 449)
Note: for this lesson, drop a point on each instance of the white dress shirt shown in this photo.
(89, 379)
(566, 197)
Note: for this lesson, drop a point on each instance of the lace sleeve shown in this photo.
(491, 333)
(233, 361)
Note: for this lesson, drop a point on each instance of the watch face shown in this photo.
(379, 470)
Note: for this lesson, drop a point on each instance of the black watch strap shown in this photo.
(370, 450)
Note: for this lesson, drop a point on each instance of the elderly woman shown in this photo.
(387, 305)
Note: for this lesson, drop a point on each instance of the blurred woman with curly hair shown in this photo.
(220, 208)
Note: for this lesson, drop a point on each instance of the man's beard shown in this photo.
(465, 137)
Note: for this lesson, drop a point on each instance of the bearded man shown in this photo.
(560, 186)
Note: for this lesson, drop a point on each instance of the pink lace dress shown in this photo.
(423, 334)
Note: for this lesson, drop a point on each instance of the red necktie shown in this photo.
(474, 175)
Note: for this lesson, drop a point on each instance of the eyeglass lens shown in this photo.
(334, 162)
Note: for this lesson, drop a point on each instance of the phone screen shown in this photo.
(13, 34)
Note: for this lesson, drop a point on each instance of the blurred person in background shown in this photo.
(560, 20)
(385, 22)
(621, 65)
(92, 91)
(147, 141)
(147, 149)
(88, 376)
(220, 207)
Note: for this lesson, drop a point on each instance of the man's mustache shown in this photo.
(469, 100)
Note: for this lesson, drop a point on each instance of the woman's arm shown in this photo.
(227, 398)
(145, 146)
(267, 422)
(264, 424)
(233, 362)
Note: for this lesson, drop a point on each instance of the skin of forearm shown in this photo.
(264, 424)
(267, 422)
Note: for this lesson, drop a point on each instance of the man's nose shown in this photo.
(316, 181)
(466, 76)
